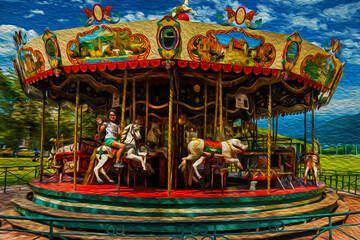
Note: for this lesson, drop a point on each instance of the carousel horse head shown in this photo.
(153, 135)
(131, 133)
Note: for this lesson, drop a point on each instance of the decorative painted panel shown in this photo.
(105, 44)
(232, 47)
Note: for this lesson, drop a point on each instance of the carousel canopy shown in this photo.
(192, 58)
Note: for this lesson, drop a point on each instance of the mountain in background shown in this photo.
(340, 130)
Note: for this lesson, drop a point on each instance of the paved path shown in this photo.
(6, 198)
(351, 200)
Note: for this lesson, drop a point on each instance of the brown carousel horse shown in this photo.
(311, 161)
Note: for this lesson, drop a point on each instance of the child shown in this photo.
(112, 131)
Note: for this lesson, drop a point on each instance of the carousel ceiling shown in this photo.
(196, 57)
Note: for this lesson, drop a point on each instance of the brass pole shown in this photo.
(147, 109)
(81, 122)
(58, 128)
(42, 139)
(134, 101)
(269, 143)
(216, 106)
(226, 109)
(171, 95)
(205, 109)
(312, 122)
(76, 131)
(122, 122)
(305, 148)
(220, 106)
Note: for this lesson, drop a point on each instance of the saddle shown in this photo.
(212, 147)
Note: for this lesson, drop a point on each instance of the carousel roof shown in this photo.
(247, 61)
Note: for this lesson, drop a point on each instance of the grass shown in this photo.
(16, 168)
(328, 162)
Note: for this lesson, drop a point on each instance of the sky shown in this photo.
(316, 20)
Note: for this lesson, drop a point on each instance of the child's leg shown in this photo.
(120, 147)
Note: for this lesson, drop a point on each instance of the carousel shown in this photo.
(187, 97)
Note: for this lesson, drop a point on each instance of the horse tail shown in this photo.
(89, 175)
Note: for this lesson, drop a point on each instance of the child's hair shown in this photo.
(107, 119)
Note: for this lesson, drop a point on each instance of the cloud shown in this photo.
(37, 11)
(300, 21)
(317, 44)
(297, 2)
(139, 16)
(44, 3)
(265, 13)
(29, 16)
(351, 43)
(342, 12)
(346, 100)
(63, 20)
(92, 2)
(7, 46)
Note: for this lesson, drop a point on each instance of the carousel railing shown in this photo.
(340, 180)
(208, 229)
(260, 142)
(15, 175)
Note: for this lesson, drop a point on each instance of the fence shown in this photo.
(192, 230)
(9, 176)
(346, 181)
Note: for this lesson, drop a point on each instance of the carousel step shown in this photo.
(72, 234)
(41, 227)
(327, 202)
(299, 228)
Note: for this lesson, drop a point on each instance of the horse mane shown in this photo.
(90, 175)
(125, 132)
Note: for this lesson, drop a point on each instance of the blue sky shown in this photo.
(316, 20)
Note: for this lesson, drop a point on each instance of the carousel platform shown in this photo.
(105, 202)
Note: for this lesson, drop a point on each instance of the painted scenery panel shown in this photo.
(320, 68)
(232, 47)
(107, 44)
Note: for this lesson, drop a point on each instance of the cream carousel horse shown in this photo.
(312, 162)
(182, 9)
(200, 149)
(152, 142)
(132, 155)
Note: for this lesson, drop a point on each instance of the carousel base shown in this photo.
(144, 206)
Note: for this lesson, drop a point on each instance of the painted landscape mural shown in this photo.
(232, 47)
(116, 44)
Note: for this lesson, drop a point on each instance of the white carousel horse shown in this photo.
(55, 149)
(182, 9)
(152, 142)
(51, 159)
(199, 150)
(130, 135)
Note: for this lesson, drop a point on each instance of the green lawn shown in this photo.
(24, 167)
(341, 162)
(15, 168)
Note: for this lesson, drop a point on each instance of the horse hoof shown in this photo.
(111, 181)
(143, 171)
(201, 181)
